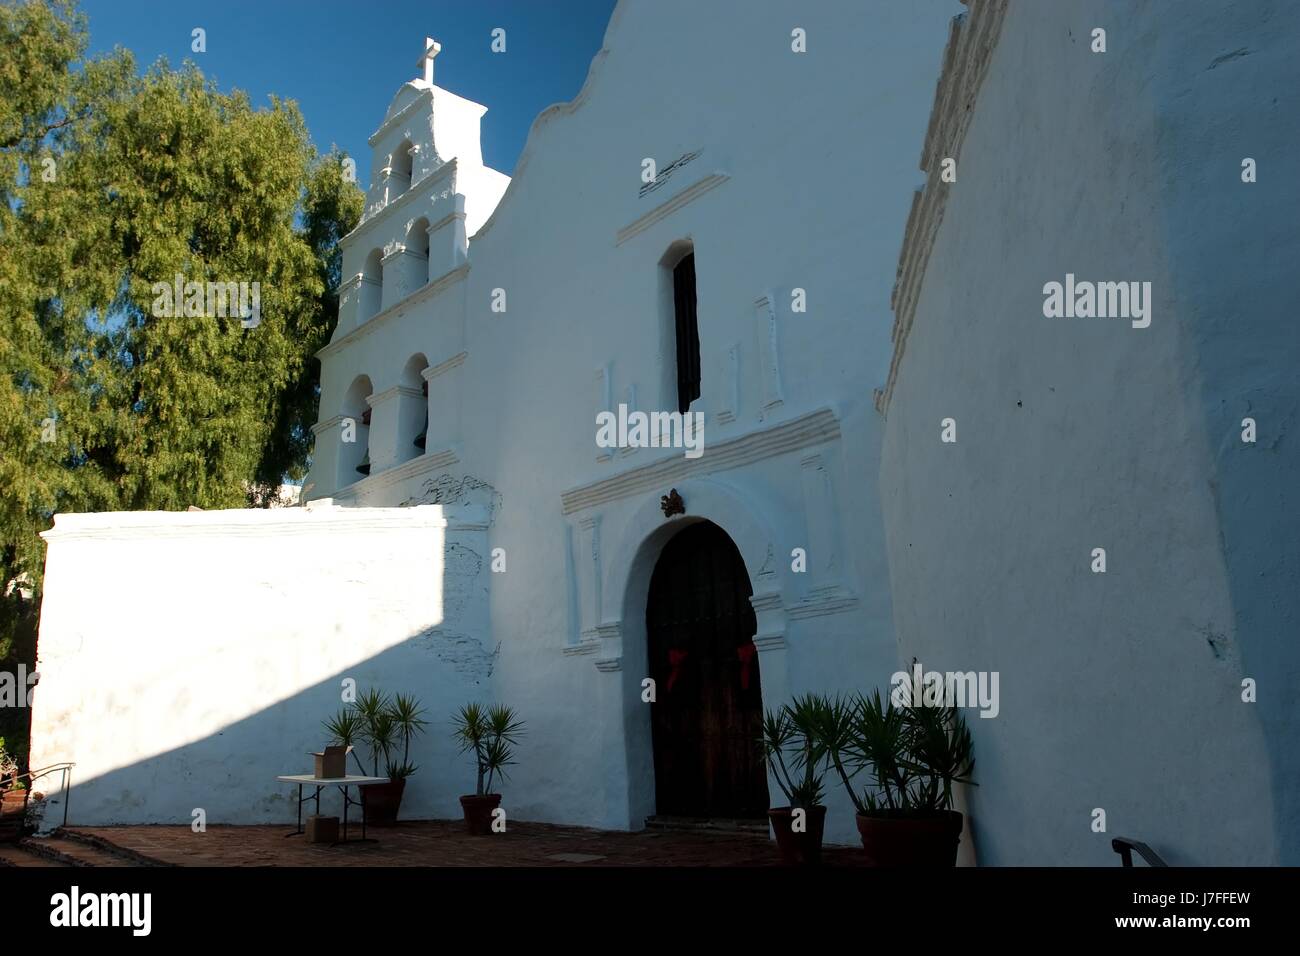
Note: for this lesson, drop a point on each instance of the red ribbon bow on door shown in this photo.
(675, 658)
(746, 654)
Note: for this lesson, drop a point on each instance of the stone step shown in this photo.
(717, 825)
(96, 842)
(11, 854)
(71, 852)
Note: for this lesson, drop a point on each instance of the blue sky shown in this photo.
(343, 61)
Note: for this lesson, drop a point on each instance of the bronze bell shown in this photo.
(364, 467)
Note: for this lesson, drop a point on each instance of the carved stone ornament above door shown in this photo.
(672, 504)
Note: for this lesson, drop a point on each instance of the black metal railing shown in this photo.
(65, 769)
(1126, 847)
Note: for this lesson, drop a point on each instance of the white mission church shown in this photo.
(899, 455)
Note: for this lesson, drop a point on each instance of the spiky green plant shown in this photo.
(491, 733)
(345, 728)
(406, 714)
(383, 725)
(791, 745)
(911, 753)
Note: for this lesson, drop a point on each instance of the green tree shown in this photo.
(112, 182)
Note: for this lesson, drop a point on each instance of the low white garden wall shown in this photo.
(186, 659)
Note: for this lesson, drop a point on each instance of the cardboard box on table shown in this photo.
(332, 762)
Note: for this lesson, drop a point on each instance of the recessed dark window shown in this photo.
(688, 333)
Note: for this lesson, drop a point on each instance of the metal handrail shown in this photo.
(1125, 847)
(32, 775)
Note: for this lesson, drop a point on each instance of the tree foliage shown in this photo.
(112, 180)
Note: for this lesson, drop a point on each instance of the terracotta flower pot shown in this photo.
(907, 838)
(478, 812)
(12, 822)
(798, 849)
(11, 801)
(383, 801)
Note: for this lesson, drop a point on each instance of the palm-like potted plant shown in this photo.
(13, 793)
(490, 733)
(911, 755)
(8, 767)
(792, 748)
(384, 726)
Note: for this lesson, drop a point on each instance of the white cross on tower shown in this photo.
(431, 49)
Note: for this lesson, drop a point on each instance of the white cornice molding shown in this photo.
(426, 291)
(388, 394)
(433, 371)
(606, 637)
(832, 601)
(325, 424)
(814, 428)
(429, 461)
(418, 189)
(972, 39)
(240, 522)
(670, 206)
(456, 213)
(398, 250)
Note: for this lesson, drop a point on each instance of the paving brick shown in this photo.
(445, 843)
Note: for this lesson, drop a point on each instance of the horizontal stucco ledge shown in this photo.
(244, 522)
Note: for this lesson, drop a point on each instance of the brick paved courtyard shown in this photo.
(421, 843)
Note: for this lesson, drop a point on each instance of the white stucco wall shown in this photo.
(187, 659)
(1122, 690)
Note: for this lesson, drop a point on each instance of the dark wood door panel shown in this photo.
(708, 711)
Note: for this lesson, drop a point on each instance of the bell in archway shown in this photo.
(364, 467)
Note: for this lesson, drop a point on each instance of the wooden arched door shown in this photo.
(708, 709)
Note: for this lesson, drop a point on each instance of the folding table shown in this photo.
(320, 783)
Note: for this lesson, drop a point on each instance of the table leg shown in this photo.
(345, 812)
(298, 827)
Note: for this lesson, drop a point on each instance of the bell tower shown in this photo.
(429, 191)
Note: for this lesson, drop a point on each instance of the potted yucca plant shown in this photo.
(910, 754)
(792, 748)
(385, 727)
(490, 733)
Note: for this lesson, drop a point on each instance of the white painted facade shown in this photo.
(798, 172)
(578, 246)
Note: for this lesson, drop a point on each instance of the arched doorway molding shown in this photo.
(754, 523)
